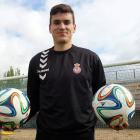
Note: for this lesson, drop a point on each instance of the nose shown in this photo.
(62, 26)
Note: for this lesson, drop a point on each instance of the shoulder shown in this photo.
(89, 56)
(38, 56)
(86, 52)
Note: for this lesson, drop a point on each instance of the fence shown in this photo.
(124, 73)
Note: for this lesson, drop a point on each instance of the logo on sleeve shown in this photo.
(43, 64)
(77, 68)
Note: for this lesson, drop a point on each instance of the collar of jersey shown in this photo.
(60, 52)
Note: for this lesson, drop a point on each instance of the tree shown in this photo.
(17, 72)
(5, 74)
(9, 73)
(18, 83)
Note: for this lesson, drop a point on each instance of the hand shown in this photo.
(120, 127)
(9, 128)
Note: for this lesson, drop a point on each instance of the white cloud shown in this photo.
(112, 26)
(34, 37)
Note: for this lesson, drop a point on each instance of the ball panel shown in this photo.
(125, 119)
(5, 110)
(116, 120)
(128, 96)
(26, 105)
(105, 90)
(24, 101)
(121, 111)
(104, 93)
(8, 104)
(5, 94)
(97, 114)
(131, 114)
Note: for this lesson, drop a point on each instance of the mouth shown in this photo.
(62, 33)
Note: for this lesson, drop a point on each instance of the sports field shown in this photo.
(100, 134)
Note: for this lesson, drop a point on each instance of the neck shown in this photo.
(62, 47)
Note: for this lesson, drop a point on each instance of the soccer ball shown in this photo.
(113, 104)
(14, 107)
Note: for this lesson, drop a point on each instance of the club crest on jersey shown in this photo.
(77, 68)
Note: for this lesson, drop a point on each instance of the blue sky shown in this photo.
(36, 5)
(110, 28)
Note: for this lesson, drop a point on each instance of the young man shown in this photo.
(62, 81)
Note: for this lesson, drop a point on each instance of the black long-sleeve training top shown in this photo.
(61, 85)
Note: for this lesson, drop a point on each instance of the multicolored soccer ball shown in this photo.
(113, 104)
(14, 107)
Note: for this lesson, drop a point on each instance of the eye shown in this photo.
(56, 22)
(67, 22)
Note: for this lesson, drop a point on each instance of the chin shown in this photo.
(62, 42)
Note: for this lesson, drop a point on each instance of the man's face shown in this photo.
(62, 27)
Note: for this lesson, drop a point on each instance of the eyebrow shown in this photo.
(59, 20)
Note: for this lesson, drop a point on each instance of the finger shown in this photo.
(113, 127)
(17, 127)
(5, 129)
(10, 129)
(121, 126)
(109, 126)
(14, 128)
(126, 124)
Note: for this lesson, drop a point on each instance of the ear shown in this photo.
(50, 28)
(74, 28)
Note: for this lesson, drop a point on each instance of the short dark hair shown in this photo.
(61, 8)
